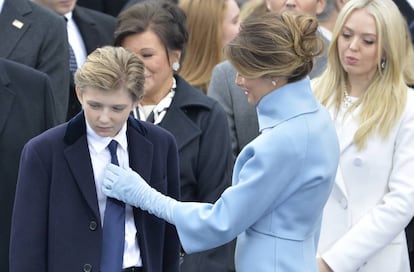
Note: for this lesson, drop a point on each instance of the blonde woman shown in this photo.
(365, 89)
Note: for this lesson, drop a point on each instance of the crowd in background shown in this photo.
(362, 75)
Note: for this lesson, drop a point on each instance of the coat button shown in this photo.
(344, 203)
(358, 161)
(87, 268)
(93, 225)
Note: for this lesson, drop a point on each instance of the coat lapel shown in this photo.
(13, 25)
(79, 160)
(6, 97)
(177, 120)
(140, 151)
(345, 130)
(88, 30)
(183, 129)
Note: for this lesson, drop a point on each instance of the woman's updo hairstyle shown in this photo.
(276, 45)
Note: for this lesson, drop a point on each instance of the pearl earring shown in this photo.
(175, 66)
(383, 64)
(274, 82)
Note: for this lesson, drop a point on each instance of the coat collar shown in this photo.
(288, 101)
(188, 96)
(77, 127)
(6, 94)
(177, 120)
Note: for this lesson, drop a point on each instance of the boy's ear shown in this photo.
(79, 94)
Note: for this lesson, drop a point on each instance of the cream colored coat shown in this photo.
(372, 200)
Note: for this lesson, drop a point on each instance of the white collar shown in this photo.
(99, 143)
(68, 15)
(1, 5)
(411, 3)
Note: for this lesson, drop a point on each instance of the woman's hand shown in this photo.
(129, 187)
(124, 185)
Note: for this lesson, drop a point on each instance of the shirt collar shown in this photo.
(411, 3)
(1, 5)
(99, 143)
(68, 16)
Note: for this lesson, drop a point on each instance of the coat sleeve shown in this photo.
(29, 231)
(260, 186)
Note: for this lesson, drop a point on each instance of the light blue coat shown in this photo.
(281, 182)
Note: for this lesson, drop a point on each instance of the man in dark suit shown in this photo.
(133, 2)
(26, 110)
(60, 212)
(110, 7)
(37, 38)
(87, 30)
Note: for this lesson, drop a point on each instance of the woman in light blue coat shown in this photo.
(281, 179)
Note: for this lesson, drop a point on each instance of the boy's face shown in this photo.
(105, 111)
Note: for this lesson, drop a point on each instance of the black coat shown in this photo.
(26, 110)
(200, 128)
(111, 7)
(36, 37)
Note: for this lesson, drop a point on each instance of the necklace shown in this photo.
(347, 101)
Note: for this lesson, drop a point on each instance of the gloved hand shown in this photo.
(129, 187)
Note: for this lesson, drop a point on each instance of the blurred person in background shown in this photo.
(211, 25)
(110, 7)
(27, 109)
(327, 17)
(87, 30)
(36, 37)
(242, 116)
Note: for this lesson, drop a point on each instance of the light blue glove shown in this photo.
(129, 187)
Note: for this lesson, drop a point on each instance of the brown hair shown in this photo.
(276, 45)
(164, 18)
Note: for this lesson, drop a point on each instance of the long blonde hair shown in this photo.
(205, 46)
(384, 100)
